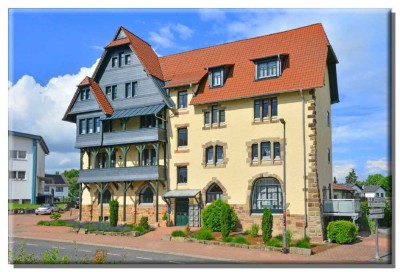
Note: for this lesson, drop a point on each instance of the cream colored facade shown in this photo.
(238, 173)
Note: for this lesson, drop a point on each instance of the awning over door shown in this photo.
(181, 193)
(138, 111)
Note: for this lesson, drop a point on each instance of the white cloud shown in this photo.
(208, 14)
(341, 169)
(380, 166)
(97, 47)
(165, 37)
(39, 110)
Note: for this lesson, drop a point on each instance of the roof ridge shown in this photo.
(236, 41)
(123, 28)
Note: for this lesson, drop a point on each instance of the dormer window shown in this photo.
(270, 66)
(267, 68)
(216, 78)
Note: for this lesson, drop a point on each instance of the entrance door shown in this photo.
(181, 211)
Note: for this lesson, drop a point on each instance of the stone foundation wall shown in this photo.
(92, 213)
(294, 222)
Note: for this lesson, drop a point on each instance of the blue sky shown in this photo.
(52, 50)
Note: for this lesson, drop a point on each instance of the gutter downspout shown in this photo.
(34, 169)
(304, 166)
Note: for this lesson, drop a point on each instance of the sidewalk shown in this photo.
(24, 226)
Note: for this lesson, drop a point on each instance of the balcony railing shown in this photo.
(341, 207)
(134, 173)
(142, 135)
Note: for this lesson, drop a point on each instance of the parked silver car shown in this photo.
(47, 208)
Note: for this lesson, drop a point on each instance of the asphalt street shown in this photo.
(79, 253)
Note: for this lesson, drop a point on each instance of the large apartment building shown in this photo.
(231, 121)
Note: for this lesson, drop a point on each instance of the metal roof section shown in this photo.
(370, 189)
(138, 111)
(31, 136)
(181, 193)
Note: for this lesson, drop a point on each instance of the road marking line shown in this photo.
(144, 258)
(113, 254)
(83, 250)
(59, 247)
(175, 262)
(32, 244)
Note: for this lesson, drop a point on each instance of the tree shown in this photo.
(267, 224)
(72, 179)
(334, 180)
(352, 177)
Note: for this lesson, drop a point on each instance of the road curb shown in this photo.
(128, 248)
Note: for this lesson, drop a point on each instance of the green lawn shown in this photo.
(12, 206)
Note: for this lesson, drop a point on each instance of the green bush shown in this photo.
(289, 236)
(342, 231)
(227, 239)
(90, 227)
(240, 240)
(303, 243)
(371, 225)
(43, 223)
(113, 212)
(164, 217)
(187, 230)
(178, 233)
(144, 223)
(204, 234)
(226, 221)
(275, 242)
(254, 230)
(211, 216)
(55, 215)
(266, 225)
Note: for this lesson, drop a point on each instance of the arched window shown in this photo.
(266, 193)
(146, 195)
(106, 197)
(214, 193)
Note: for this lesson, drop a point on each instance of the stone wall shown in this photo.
(294, 222)
(92, 213)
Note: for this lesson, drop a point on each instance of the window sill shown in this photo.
(182, 111)
(214, 126)
(182, 184)
(213, 166)
(265, 121)
(182, 150)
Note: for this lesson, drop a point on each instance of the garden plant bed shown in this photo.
(255, 243)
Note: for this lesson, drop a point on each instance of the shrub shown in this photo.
(178, 233)
(187, 230)
(55, 215)
(164, 217)
(226, 221)
(113, 212)
(240, 240)
(43, 223)
(275, 242)
(371, 225)
(100, 256)
(303, 243)
(90, 227)
(227, 239)
(204, 234)
(254, 230)
(266, 225)
(211, 216)
(342, 231)
(144, 223)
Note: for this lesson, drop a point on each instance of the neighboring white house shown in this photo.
(57, 187)
(377, 190)
(26, 162)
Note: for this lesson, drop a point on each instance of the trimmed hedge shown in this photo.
(266, 225)
(113, 212)
(212, 214)
(342, 231)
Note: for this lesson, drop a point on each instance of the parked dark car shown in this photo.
(47, 208)
(76, 203)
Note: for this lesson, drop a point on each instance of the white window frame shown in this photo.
(269, 63)
(18, 155)
(220, 78)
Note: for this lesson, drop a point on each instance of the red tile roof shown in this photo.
(101, 97)
(186, 79)
(307, 48)
(98, 94)
(341, 187)
(118, 42)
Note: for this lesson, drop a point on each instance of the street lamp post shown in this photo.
(285, 249)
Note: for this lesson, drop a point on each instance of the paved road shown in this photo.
(79, 252)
